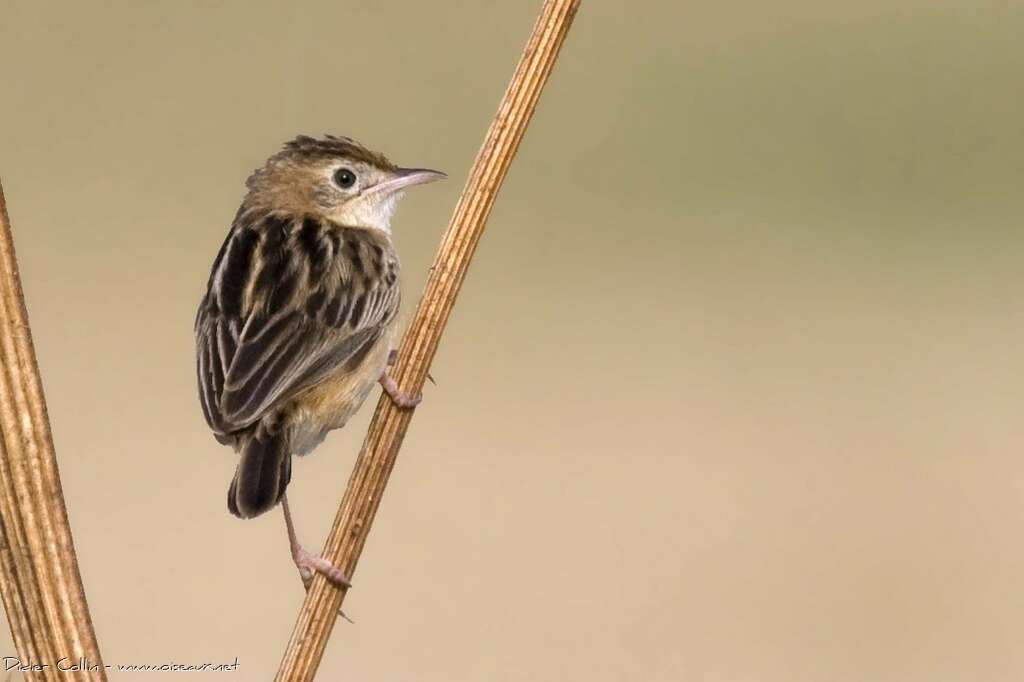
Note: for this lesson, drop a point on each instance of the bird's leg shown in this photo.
(398, 396)
(308, 563)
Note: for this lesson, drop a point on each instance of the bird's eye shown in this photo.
(344, 178)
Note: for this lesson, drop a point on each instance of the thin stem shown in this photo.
(39, 578)
(389, 424)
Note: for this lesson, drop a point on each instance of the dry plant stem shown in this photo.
(389, 424)
(39, 578)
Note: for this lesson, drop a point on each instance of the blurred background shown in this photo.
(732, 392)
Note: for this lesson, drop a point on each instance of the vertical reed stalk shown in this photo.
(387, 429)
(39, 579)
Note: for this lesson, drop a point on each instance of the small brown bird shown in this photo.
(298, 320)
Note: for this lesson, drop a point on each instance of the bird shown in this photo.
(298, 321)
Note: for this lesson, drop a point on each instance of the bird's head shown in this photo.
(335, 178)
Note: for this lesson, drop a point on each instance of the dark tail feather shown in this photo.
(262, 475)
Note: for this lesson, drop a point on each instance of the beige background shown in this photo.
(733, 390)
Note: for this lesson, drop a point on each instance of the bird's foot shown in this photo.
(309, 564)
(399, 397)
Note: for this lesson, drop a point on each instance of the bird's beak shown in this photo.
(407, 177)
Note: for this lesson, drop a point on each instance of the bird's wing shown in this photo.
(289, 302)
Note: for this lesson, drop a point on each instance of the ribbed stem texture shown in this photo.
(389, 424)
(42, 589)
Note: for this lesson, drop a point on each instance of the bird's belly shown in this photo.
(331, 403)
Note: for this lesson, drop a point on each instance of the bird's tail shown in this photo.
(262, 475)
